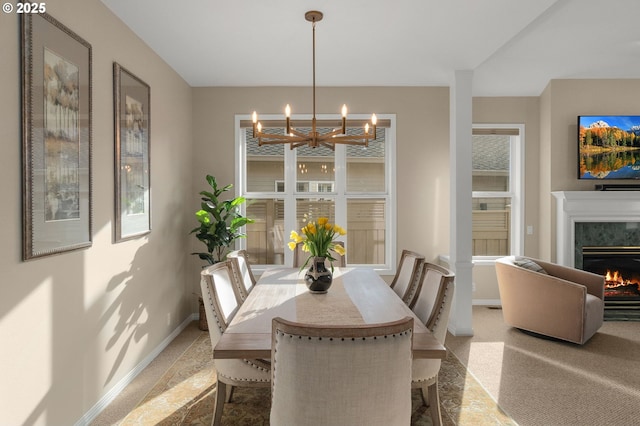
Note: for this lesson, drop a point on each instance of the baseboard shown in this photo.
(486, 302)
(128, 378)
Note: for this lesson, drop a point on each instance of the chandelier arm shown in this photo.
(274, 140)
(299, 133)
(330, 134)
(331, 146)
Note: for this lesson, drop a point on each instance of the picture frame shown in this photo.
(132, 118)
(56, 137)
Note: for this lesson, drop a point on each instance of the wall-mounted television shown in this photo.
(609, 147)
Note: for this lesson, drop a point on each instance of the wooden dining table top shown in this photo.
(357, 296)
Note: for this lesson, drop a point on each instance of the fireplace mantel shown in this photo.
(590, 206)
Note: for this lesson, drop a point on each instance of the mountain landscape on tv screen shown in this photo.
(609, 147)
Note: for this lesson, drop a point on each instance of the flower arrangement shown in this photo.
(317, 239)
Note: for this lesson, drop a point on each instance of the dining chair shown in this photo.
(337, 375)
(300, 256)
(405, 282)
(221, 303)
(241, 257)
(432, 307)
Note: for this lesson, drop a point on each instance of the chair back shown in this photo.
(219, 285)
(435, 296)
(300, 256)
(406, 280)
(336, 375)
(241, 257)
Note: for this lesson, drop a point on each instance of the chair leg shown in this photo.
(424, 391)
(221, 393)
(434, 404)
(230, 390)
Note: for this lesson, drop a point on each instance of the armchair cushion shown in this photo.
(523, 262)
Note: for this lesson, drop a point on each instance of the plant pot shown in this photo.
(318, 277)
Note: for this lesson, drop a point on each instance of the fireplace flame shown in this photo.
(614, 279)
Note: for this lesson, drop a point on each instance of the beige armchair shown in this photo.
(560, 302)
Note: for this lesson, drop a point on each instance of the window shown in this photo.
(352, 186)
(497, 214)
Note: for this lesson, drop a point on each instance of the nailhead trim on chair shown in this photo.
(244, 379)
(446, 294)
(280, 333)
(215, 313)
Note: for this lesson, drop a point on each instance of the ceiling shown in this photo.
(513, 47)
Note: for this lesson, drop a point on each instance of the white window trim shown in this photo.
(389, 268)
(516, 184)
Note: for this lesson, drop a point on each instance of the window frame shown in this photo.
(515, 193)
(340, 195)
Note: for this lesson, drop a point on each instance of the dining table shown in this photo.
(357, 296)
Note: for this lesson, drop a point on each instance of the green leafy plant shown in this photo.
(220, 222)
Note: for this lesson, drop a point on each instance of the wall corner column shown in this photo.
(460, 237)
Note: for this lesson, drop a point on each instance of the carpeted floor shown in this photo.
(543, 382)
(185, 394)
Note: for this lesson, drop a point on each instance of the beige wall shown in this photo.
(422, 148)
(564, 100)
(72, 325)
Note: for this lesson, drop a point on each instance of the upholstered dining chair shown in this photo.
(432, 306)
(221, 303)
(336, 375)
(299, 256)
(241, 257)
(405, 282)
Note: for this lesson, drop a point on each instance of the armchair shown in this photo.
(559, 301)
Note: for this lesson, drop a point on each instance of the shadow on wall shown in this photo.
(130, 306)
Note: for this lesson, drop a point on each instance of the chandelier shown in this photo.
(313, 138)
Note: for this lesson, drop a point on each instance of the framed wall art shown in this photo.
(132, 162)
(56, 133)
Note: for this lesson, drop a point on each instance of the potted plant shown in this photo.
(319, 240)
(220, 223)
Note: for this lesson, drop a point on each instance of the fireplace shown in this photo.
(621, 268)
(599, 231)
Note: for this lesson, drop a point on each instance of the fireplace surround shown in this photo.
(599, 228)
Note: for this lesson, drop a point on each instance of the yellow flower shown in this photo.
(318, 239)
(295, 237)
(311, 227)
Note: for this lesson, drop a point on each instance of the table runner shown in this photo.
(332, 308)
